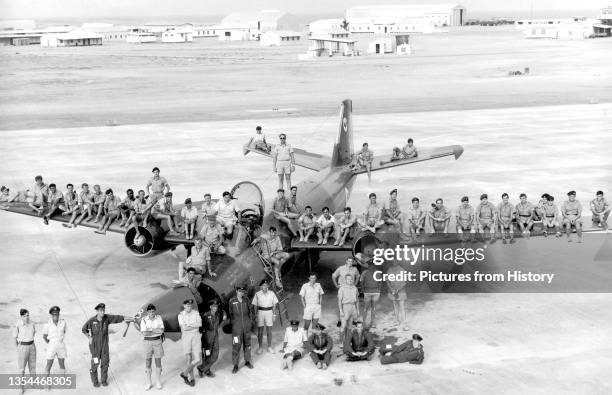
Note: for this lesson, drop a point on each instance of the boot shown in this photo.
(148, 384)
(158, 383)
(94, 377)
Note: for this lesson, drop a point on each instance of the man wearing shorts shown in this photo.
(152, 329)
(157, 186)
(372, 216)
(55, 199)
(524, 215)
(409, 151)
(371, 294)
(70, 206)
(485, 216)
(127, 208)
(311, 295)
(344, 226)
(212, 234)
(306, 224)
(226, 210)
(189, 214)
(283, 161)
(507, 213)
(264, 303)
(600, 208)
(98, 203)
(571, 211)
(259, 139)
(439, 217)
(190, 322)
(550, 216)
(141, 212)
(112, 209)
(397, 294)
(325, 226)
(163, 209)
(208, 207)
(465, 218)
(293, 344)
(348, 304)
(280, 210)
(272, 250)
(86, 205)
(416, 219)
(37, 195)
(293, 209)
(53, 334)
(364, 158)
(392, 213)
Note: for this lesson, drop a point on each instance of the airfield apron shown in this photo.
(99, 345)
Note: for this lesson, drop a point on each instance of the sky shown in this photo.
(90, 9)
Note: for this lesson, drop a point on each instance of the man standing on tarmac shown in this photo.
(210, 338)
(264, 303)
(241, 317)
(190, 322)
(96, 330)
(152, 328)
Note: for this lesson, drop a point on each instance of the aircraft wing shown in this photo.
(313, 246)
(303, 158)
(384, 162)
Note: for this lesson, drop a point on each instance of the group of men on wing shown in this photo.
(135, 210)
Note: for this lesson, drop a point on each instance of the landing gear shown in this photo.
(313, 258)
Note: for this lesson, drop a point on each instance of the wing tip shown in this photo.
(457, 151)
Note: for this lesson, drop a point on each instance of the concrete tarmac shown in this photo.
(474, 343)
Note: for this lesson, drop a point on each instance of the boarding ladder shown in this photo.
(259, 248)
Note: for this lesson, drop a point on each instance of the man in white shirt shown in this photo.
(212, 234)
(272, 250)
(293, 344)
(226, 212)
(152, 329)
(325, 226)
(163, 209)
(53, 334)
(23, 333)
(283, 161)
(312, 295)
(265, 302)
(54, 199)
(189, 214)
(111, 208)
(259, 139)
(190, 322)
(208, 207)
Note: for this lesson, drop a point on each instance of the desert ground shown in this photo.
(189, 108)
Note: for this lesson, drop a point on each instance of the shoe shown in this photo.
(122, 224)
(373, 326)
(185, 378)
(158, 386)
(545, 234)
(192, 383)
(290, 364)
(235, 370)
(96, 385)
(249, 365)
(148, 387)
(100, 232)
(319, 242)
(200, 373)
(259, 351)
(209, 373)
(270, 350)
(301, 240)
(46, 220)
(104, 384)
(319, 365)
(66, 225)
(505, 241)
(324, 366)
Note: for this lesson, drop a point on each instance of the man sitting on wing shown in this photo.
(325, 226)
(507, 213)
(306, 224)
(163, 209)
(550, 217)
(409, 151)
(280, 210)
(226, 213)
(485, 215)
(344, 226)
(272, 250)
(571, 210)
(212, 233)
(600, 208)
(416, 219)
(372, 216)
(524, 215)
(439, 217)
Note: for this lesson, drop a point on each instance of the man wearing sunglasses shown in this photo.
(283, 161)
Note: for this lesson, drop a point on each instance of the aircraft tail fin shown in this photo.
(343, 148)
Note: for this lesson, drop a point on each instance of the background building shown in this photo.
(279, 37)
(249, 26)
(74, 38)
(108, 31)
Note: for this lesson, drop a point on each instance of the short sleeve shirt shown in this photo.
(24, 333)
(98, 197)
(571, 208)
(267, 299)
(524, 210)
(441, 212)
(189, 214)
(192, 319)
(85, 197)
(311, 293)
(294, 339)
(226, 210)
(147, 324)
(599, 206)
(112, 204)
(465, 213)
(348, 294)
(55, 332)
(199, 258)
(506, 210)
(486, 211)
(324, 221)
(306, 219)
(208, 209)
(55, 197)
(341, 273)
(367, 155)
(415, 213)
(282, 152)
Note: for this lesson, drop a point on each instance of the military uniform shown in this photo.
(322, 342)
(241, 317)
(99, 345)
(358, 341)
(405, 352)
(210, 340)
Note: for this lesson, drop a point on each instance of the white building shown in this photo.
(398, 19)
(249, 26)
(279, 37)
(562, 29)
(177, 35)
(390, 44)
(139, 37)
(74, 38)
(109, 31)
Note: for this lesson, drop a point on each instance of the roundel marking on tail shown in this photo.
(344, 124)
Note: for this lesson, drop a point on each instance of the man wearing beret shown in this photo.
(571, 210)
(241, 317)
(53, 334)
(320, 345)
(152, 328)
(358, 345)
(96, 330)
(410, 351)
(210, 338)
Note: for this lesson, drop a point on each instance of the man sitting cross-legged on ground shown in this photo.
(306, 224)
(293, 344)
(359, 344)
(320, 345)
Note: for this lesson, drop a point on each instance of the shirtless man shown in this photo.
(439, 217)
(157, 186)
(325, 226)
(550, 216)
(600, 208)
(465, 219)
(393, 214)
(344, 226)
(306, 224)
(524, 215)
(372, 216)
(485, 216)
(506, 212)
(280, 210)
(416, 219)
(571, 211)
(364, 159)
(409, 151)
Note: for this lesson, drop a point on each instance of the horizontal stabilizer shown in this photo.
(302, 158)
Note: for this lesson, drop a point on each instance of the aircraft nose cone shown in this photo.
(140, 240)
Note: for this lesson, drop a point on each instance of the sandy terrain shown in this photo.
(476, 343)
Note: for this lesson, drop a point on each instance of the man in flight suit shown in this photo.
(210, 338)
(410, 351)
(96, 330)
(241, 317)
